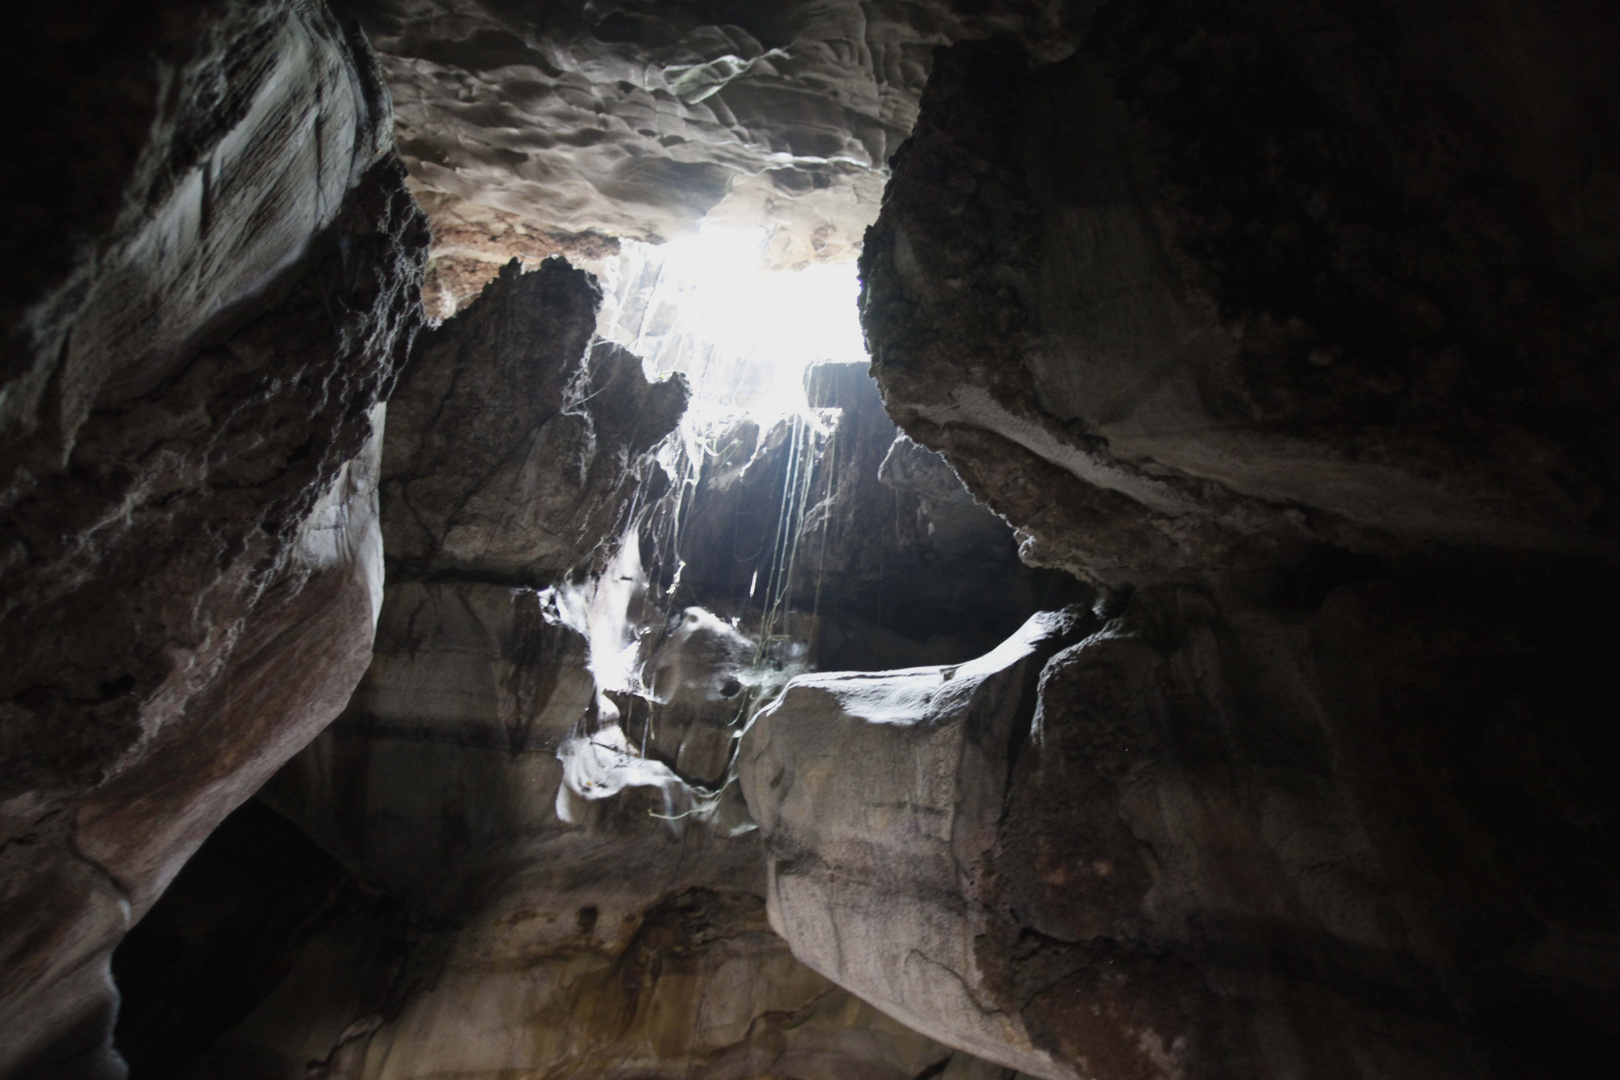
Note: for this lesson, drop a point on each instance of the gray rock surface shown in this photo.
(1222, 841)
(195, 349)
(1155, 357)
(511, 447)
(878, 795)
(1279, 317)
(639, 120)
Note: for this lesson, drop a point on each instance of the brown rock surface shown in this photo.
(199, 325)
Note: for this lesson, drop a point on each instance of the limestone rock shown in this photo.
(619, 945)
(195, 348)
(878, 795)
(531, 931)
(511, 442)
(1155, 356)
(1220, 844)
(641, 120)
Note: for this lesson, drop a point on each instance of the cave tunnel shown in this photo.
(876, 539)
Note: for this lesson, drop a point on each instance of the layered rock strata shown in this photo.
(203, 311)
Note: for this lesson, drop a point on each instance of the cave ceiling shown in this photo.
(524, 125)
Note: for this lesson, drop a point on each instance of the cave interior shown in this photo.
(813, 540)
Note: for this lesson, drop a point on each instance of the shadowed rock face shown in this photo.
(196, 345)
(1222, 839)
(1170, 314)
(510, 446)
(1293, 311)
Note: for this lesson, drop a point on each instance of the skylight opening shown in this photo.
(709, 306)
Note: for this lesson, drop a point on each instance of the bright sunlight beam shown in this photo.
(743, 333)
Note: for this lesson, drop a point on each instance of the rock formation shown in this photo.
(525, 926)
(1322, 796)
(1155, 357)
(213, 275)
(1282, 334)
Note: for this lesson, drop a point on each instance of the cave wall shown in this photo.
(211, 278)
(1388, 337)
(1290, 328)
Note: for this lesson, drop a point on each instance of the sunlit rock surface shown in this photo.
(638, 120)
(879, 796)
(207, 292)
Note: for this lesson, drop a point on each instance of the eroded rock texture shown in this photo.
(879, 796)
(638, 120)
(211, 277)
(1295, 322)
(511, 448)
(1221, 841)
(1220, 286)
(524, 928)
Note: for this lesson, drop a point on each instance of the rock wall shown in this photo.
(214, 275)
(1283, 326)
(1155, 356)
(511, 449)
(1222, 840)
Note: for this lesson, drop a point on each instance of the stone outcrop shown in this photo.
(510, 445)
(203, 308)
(1281, 326)
(1220, 842)
(641, 120)
(879, 797)
(1156, 356)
